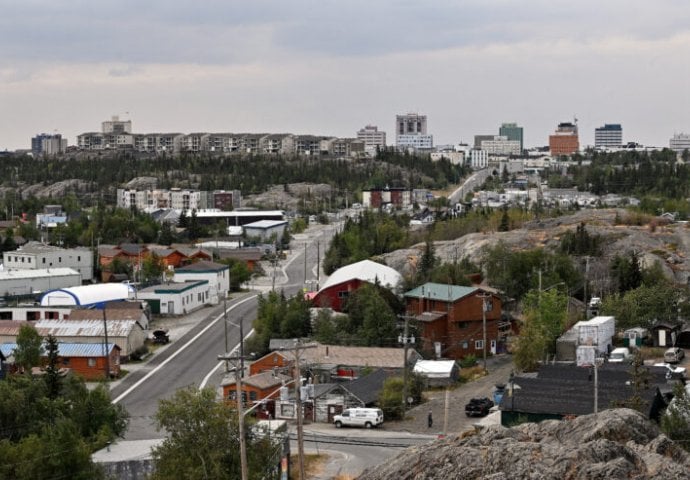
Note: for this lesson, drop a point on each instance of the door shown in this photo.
(493, 347)
(334, 410)
(662, 338)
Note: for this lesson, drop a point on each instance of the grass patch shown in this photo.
(472, 373)
(649, 353)
(313, 465)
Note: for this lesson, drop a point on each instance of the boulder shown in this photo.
(616, 443)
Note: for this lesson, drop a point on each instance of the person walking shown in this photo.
(430, 419)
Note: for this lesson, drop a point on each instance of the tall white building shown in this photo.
(680, 142)
(501, 145)
(372, 137)
(479, 158)
(411, 132)
(115, 125)
(608, 136)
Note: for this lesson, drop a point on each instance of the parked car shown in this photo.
(161, 337)
(674, 355)
(673, 372)
(620, 355)
(478, 407)
(595, 302)
(359, 417)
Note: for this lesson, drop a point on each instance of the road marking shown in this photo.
(165, 362)
(222, 362)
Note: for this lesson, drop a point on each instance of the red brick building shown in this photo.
(451, 316)
(565, 140)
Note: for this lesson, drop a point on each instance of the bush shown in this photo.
(468, 361)
(139, 353)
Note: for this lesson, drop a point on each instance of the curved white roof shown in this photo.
(88, 294)
(367, 271)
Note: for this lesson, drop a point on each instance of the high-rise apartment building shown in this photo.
(565, 140)
(501, 145)
(411, 132)
(372, 137)
(513, 132)
(608, 136)
(48, 144)
(115, 125)
(680, 142)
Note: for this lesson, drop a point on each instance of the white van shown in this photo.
(620, 355)
(359, 417)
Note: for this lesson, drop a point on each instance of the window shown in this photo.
(252, 396)
(65, 362)
(22, 259)
(465, 345)
(343, 294)
(59, 259)
(463, 325)
(479, 344)
(488, 305)
(91, 362)
(44, 260)
(78, 258)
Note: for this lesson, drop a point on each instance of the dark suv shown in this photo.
(478, 407)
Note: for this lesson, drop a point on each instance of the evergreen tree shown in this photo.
(52, 376)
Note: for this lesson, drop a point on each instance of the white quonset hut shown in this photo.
(89, 295)
(347, 279)
(28, 282)
(217, 275)
(177, 298)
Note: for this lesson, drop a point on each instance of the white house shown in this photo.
(217, 275)
(177, 298)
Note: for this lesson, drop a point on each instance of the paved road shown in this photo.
(475, 180)
(192, 358)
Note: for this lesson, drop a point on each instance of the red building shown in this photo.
(450, 319)
(348, 279)
(565, 140)
(262, 386)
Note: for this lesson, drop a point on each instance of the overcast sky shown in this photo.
(330, 67)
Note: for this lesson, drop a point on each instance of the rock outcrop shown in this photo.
(669, 245)
(615, 444)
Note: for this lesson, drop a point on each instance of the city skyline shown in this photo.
(330, 69)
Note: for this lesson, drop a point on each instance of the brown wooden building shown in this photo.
(255, 388)
(450, 322)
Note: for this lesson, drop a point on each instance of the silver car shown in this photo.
(674, 355)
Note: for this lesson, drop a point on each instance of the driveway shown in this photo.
(499, 367)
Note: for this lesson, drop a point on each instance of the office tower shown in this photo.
(513, 132)
(610, 135)
(411, 132)
(565, 140)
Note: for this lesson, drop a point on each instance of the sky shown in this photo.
(328, 67)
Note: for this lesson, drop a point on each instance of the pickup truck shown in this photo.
(478, 407)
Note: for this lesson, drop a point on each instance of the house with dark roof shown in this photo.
(322, 401)
(450, 319)
(562, 391)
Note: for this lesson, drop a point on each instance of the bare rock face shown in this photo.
(615, 444)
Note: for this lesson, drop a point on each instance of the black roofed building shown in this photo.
(561, 391)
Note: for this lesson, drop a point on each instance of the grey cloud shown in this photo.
(227, 32)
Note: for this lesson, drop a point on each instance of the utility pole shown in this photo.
(445, 412)
(318, 264)
(484, 296)
(107, 352)
(305, 263)
(298, 348)
(225, 325)
(243, 440)
(406, 340)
